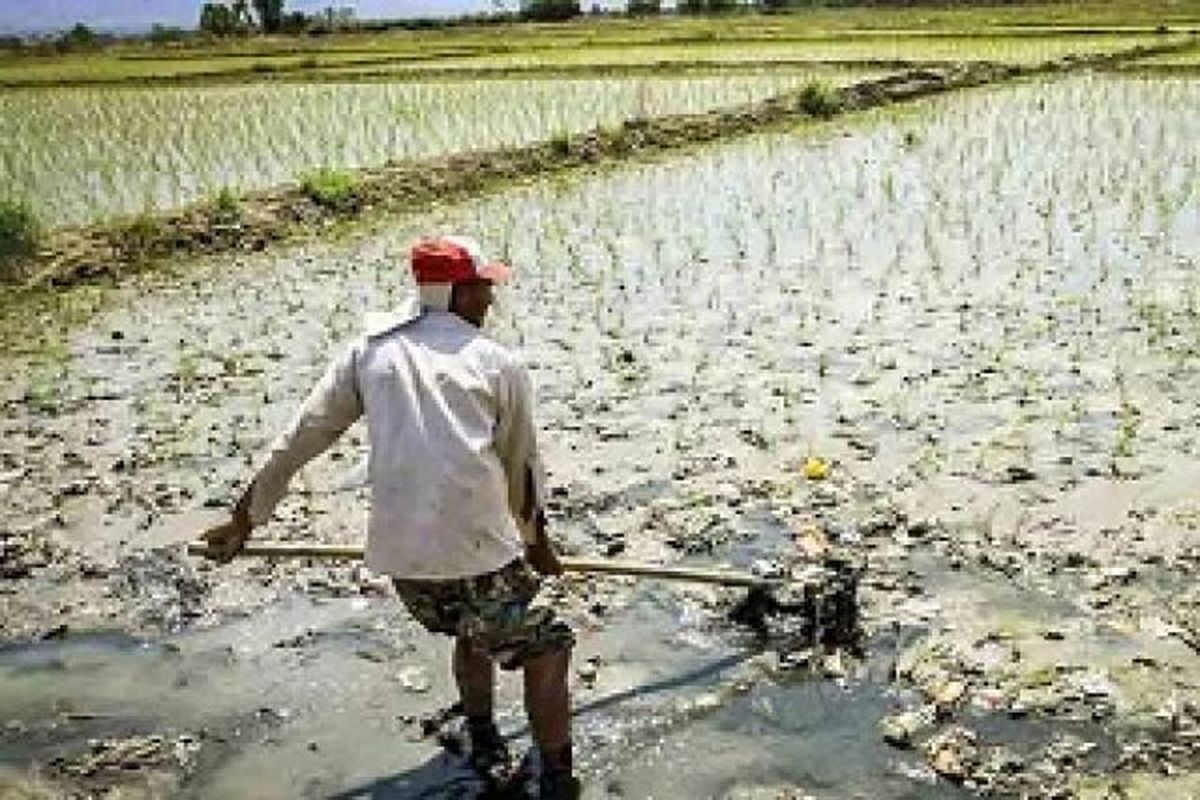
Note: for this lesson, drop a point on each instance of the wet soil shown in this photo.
(979, 316)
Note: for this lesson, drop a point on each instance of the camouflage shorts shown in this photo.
(496, 609)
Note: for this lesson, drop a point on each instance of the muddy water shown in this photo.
(982, 312)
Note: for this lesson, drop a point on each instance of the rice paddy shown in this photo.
(977, 310)
(83, 155)
(897, 47)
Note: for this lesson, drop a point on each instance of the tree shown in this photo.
(549, 10)
(707, 6)
(332, 19)
(644, 8)
(220, 19)
(294, 22)
(270, 14)
(163, 34)
(217, 19)
(241, 13)
(80, 37)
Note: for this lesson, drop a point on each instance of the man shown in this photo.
(456, 493)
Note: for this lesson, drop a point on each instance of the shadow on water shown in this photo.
(444, 775)
(298, 701)
(441, 777)
(790, 731)
(306, 701)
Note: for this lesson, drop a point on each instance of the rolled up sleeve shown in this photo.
(516, 445)
(333, 406)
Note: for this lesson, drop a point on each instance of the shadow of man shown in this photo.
(442, 777)
(448, 777)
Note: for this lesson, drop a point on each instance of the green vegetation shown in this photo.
(252, 137)
(549, 10)
(819, 100)
(19, 235)
(226, 206)
(643, 8)
(142, 236)
(224, 19)
(1185, 61)
(80, 37)
(331, 188)
(270, 14)
(1017, 32)
(219, 19)
(560, 144)
(84, 156)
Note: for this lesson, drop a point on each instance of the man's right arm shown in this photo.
(331, 407)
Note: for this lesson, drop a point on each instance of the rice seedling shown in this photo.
(81, 155)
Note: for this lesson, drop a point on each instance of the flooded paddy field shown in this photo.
(980, 312)
(84, 155)
(901, 46)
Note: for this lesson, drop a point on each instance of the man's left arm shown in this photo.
(516, 443)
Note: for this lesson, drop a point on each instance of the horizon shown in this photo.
(33, 17)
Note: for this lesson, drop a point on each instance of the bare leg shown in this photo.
(548, 703)
(475, 674)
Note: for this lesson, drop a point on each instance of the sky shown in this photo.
(28, 16)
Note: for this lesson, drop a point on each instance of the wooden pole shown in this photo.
(570, 564)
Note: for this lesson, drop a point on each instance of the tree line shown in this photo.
(269, 16)
(245, 17)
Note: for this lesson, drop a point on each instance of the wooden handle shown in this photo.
(570, 564)
(288, 550)
(632, 568)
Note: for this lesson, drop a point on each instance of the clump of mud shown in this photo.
(160, 589)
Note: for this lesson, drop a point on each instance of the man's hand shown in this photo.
(227, 539)
(543, 559)
(541, 555)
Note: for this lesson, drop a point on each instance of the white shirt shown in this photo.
(454, 470)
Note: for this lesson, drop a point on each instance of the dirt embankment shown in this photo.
(73, 256)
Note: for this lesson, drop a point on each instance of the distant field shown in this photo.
(1019, 33)
(1183, 58)
(81, 155)
(874, 47)
(260, 111)
(907, 48)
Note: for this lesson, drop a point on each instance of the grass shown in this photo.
(142, 234)
(227, 206)
(819, 100)
(20, 233)
(331, 188)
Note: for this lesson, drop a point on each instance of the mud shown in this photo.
(977, 313)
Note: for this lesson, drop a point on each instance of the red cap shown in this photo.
(454, 259)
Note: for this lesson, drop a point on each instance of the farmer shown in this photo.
(457, 494)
